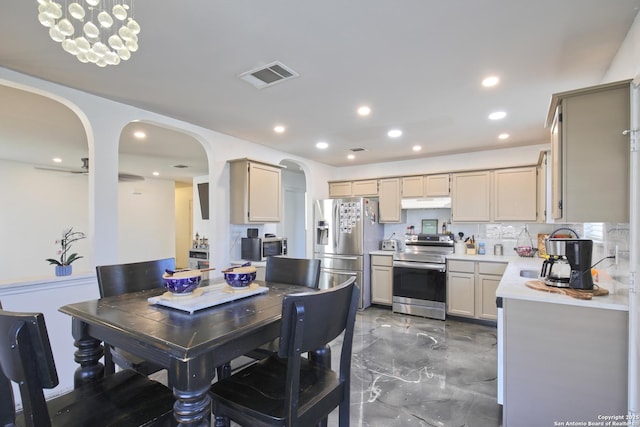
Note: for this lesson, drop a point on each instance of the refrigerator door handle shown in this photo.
(352, 258)
(336, 226)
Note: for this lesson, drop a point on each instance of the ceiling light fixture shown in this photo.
(497, 115)
(394, 133)
(322, 145)
(351, 157)
(503, 136)
(417, 148)
(279, 129)
(139, 134)
(490, 81)
(98, 31)
(364, 110)
(57, 160)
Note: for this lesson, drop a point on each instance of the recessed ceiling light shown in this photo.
(490, 81)
(503, 136)
(364, 110)
(417, 148)
(351, 157)
(322, 145)
(279, 129)
(156, 173)
(57, 160)
(139, 134)
(394, 133)
(497, 115)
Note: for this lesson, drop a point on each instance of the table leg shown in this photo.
(224, 371)
(88, 355)
(191, 381)
(192, 408)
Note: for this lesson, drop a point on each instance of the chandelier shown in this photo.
(102, 32)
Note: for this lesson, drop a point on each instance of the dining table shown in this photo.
(194, 347)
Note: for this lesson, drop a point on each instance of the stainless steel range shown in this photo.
(419, 276)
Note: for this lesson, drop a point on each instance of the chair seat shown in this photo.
(123, 399)
(257, 393)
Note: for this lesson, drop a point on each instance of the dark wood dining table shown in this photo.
(190, 346)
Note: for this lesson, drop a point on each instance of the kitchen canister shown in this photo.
(481, 248)
(498, 249)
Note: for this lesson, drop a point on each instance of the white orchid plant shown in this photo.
(68, 237)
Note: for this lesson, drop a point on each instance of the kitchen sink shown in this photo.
(532, 274)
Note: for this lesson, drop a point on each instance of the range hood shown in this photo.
(426, 203)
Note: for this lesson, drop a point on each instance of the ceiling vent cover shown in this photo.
(357, 149)
(268, 75)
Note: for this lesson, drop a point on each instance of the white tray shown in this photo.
(207, 296)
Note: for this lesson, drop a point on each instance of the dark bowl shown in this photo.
(239, 280)
(182, 285)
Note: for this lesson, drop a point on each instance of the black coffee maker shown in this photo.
(578, 253)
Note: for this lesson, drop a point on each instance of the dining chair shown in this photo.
(118, 279)
(293, 271)
(287, 389)
(123, 399)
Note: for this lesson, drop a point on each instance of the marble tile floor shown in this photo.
(410, 371)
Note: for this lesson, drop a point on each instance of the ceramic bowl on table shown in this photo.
(239, 280)
(182, 282)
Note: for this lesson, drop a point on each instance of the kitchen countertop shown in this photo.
(513, 286)
(381, 252)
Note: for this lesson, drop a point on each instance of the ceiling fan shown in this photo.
(84, 169)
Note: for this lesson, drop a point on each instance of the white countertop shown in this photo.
(513, 286)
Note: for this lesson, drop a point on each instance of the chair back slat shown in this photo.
(26, 358)
(118, 279)
(329, 308)
(7, 401)
(294, 271)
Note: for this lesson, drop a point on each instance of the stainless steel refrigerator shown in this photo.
(346, 230)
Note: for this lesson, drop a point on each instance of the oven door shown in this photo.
(419, 289)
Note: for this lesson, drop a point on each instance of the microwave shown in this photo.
(259, 248)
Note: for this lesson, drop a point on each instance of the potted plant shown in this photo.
(63, 264)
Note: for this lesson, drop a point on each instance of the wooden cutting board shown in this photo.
(575, 293)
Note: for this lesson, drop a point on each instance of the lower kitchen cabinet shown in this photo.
(471, 288)
(381, 279)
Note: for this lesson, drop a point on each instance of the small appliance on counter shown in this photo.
(569, 262)
(390, 244)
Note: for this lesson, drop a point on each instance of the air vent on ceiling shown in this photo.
(268, 75)
(355, 150)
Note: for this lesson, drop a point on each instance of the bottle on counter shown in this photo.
(481, 249)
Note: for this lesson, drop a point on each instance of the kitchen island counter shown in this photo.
(513, 286)
(560, 359)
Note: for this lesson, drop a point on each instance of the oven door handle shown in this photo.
(420, 265)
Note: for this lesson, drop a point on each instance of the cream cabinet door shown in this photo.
(340, 189)
(412, 186)
(487, 286)
(264, 193)
(381, 279)
(436, 185)
(365, 188)
(389, 200)
(471, 196)
(515, 196)
(461, 294)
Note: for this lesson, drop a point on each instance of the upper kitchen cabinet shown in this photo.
(515, 194)
(437, 185)
(389, 202)
(412, 186)
(589, 154)
(362, 188)
(425, 186)
(471, 196)
(255, 192)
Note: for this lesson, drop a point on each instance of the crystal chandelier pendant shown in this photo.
(102, 32)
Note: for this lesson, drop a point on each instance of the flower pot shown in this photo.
(63, 270)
